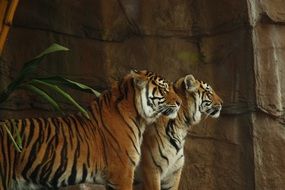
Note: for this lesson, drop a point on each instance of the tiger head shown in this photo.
(198, 98)
(154, 96)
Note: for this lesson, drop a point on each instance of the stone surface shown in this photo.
(218, 155)
(235, 46)
(269, 64)
(269, 139)
(267, 19)
(274, 9)
(101, 19)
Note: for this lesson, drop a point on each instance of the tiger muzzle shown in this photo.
(171, 110)
(215, 111)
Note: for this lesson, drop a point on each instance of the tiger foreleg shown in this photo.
(150, 179)
(173, 181)
(121, 181)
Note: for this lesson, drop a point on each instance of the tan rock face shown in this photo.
(236, 46)
(274, 9)
(268, 127)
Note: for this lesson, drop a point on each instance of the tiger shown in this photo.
(162, 157)
(71, 149)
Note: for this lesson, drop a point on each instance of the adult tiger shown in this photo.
(105, 149)
(162, 148)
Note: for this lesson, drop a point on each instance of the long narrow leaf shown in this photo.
(28, 68)
(18, 136)
(11, 137)
(53, 48)
(31, 65)
(57, 80)
(62, 93)
(43, 95)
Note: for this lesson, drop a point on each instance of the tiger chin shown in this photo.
(162, 148)
(105, 149)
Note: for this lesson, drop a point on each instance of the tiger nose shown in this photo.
(178, 103)
(218, 106)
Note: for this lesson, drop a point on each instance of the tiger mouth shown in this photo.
(215, 112)
(168, 111)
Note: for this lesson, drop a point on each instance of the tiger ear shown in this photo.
(139, 80)
(191, 83)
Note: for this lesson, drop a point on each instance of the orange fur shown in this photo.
(162, 148)
(105, 149)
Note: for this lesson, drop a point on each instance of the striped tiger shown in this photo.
(104, 149)
(162, 148)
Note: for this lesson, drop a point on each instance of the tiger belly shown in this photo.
(21, 184)
(24, 185)
(176, 161)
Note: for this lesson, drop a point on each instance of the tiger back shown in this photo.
(162, 148)
(104, 149)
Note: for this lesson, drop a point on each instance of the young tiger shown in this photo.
(162, 148)
(69, 150)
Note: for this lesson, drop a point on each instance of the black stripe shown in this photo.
(155, 163)
(132, 161)
(171, 134)
(63, 155)
(47, 168)
(187, 120)
(31, 131)
(126, 91)
(136, 122)
(147, 97)
(109, 132)
(46, 163)
(76, 127)
(134, 144)
(130, 127)
(88, 154)
(72, 177)
(195, 107)
(34, 149)
(105, 146)
(36, 171)
(106, 97)
(154, 90)
(84, 173)
(161, 153)
(158, 135)
(83, 126)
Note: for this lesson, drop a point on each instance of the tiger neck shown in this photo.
(126, 103)
(189, 114)
(176, 130)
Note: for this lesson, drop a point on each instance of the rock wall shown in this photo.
(267, 19)
(236, 46)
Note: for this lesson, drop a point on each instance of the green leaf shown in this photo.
(31, 65)
(27, 69)
(57, 80)
(43, 95)
(62, 93)
(18, 136)
(11, 137)
(53, 48)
